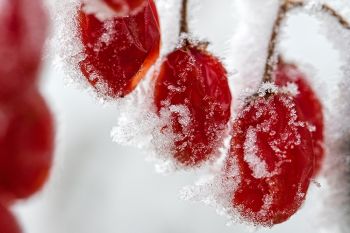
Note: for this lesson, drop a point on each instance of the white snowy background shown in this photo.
(97, 186)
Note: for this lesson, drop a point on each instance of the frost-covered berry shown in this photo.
(8, 223)
(309, 105)
(271, 149)
(26, 145)
(22, 34)
(192, 85)
(118, 50)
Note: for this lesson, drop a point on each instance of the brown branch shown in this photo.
(342, 21)
(281, 15)
(183, 20)
(285, 7)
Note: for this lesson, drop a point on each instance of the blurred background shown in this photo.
(98, 186)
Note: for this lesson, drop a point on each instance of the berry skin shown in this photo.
(8, 223)
(23, 26)
(195, 81)
(309, 104)
(126, 7)
(26, 146)
(272, 149)
(119, 51)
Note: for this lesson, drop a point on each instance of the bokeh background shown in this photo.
(98, 186)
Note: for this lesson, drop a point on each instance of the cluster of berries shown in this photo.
(277, 137)
(26, 124)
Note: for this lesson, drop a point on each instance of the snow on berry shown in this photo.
(118, 51)
(272, 147)
(192, 87)
(101, 51)
(26, 145)
(266, 175)
(23, 26)
(8, 223)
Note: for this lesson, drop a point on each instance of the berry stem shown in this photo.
(284, 8)
(343, 22)
(271, 58)
(183, 20)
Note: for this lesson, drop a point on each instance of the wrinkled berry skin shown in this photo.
(119, 51)
(274, 157)
(23, 26)
(126, 7)
(8, 223)
(26, 146)
(192, 78)
(309, 104)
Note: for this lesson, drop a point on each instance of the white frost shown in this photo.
(251, 156)
(100, 9)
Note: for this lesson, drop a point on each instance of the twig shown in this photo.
(183, 20)
(285, 7)
(332, 12)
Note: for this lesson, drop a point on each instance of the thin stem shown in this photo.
(342, 21)
(271, 52)
(183, 20)
(285, 7)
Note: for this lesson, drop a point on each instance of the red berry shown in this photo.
(125, 7)
(26, 146)
(272, 148)
(119, 51)
(309, 104)
(22, 35)
(8, 223)
(193, 85)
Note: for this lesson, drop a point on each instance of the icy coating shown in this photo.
(65, 44)
(251, 156)
(192, 84)
(110, 55)
(270, 164)
(118, 51)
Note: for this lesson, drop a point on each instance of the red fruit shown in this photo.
(119, 51)
(126, 7)
(26, 146)
(22, 35)
(193, 85)
(309, 104)
(8, 223)
(272, 148)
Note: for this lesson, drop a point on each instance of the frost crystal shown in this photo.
(256, 164)
(98, 8)
(267, 87)
(290, 88)
(65, 46)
